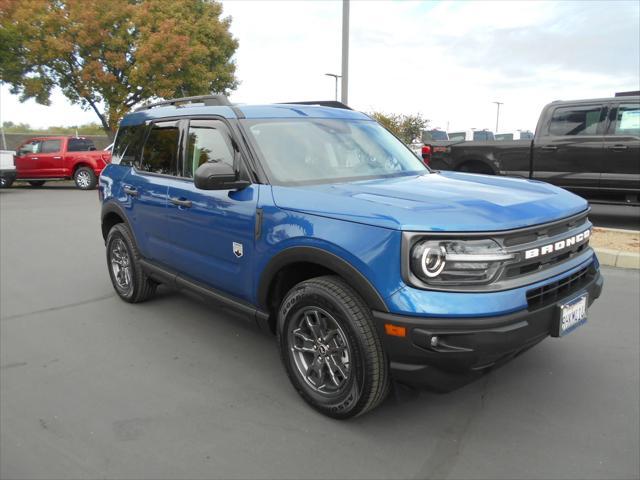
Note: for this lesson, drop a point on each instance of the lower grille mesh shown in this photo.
(552, 291)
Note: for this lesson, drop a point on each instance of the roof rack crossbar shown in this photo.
(322, 103)
(209, 100)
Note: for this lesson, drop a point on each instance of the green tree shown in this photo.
(406, 127)
(112, 55)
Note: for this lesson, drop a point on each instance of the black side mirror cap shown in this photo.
(215, 175)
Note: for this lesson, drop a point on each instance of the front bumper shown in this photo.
(466, 347)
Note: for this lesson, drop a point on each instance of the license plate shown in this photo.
(572, 315)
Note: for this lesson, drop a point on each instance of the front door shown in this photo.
(212, 231)
(568, 152)
(621, 161)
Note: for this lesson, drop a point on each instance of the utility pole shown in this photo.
(345, 52)
(336, 77)
(497, 114)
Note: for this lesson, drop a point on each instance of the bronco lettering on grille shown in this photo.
(557, 246)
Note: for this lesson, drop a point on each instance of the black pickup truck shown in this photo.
(591, 147)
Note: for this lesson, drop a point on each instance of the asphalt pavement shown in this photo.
(92, 387)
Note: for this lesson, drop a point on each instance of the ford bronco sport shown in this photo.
(326, 230)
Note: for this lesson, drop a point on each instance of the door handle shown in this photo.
(130, 191)
(550, 148)
(618, 148)
(181, 202)
(34, 158)
(57, 158)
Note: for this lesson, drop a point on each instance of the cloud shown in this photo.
(446, 60)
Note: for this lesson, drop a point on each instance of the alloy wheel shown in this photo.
(320, 351)
(120, 264)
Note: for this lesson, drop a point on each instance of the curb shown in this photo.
(618, 258)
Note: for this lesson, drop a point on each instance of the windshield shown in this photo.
(317, 150)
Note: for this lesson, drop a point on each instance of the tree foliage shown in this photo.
(112, 55)
(406, 127)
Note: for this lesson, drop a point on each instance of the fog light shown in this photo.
(434, 341)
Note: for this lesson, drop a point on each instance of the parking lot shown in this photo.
(92, 387)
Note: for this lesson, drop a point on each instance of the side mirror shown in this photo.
(215, 175)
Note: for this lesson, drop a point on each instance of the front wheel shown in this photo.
(123, 260)
(85, 178)
(5, 182)
(36, 183)
(330, 349)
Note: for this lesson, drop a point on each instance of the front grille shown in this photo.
(551, 292)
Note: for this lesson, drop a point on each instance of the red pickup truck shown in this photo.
(60, 158)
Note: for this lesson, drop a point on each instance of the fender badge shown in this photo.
(237, 249)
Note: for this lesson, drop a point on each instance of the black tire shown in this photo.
(36, 183)
(366, 382)
(5, 182)
(85, 178)
(139, 287)
(475, 167)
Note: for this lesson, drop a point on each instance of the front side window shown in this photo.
(160, 151)
(208, 141)
(29, 148)
(80, 145)
(50, 146)
(317, 150)
(526, 136)
(627, 121)
(575, 120)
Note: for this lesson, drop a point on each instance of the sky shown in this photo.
(445, 60)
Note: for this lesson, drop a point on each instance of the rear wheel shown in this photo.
(36, 183)
(85, 178)
(330, 348)
(125, 270)
(475, 167)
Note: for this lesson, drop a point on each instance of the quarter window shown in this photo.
(208, 141)
(575, 120)
(627, 120)
(160, 151)
(50, 146)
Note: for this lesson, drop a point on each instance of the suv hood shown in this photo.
(444, 201)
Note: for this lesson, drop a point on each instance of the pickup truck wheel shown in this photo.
(36, 183)
(330, 348)
(85, 178)
(123, 261)
(5, 182)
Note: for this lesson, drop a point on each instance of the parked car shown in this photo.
(435, 135)
(591, 147)
(471, 136)
(366, 265)
(7, 169)
(517, 135)
(43, 159)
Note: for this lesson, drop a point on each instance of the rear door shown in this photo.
(621, 160)
(568, 149)
(145, 188)
(50, 160)
(212, 231)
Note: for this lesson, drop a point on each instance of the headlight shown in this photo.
(457, 262)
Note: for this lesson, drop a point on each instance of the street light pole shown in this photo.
(345, 52)
(336, 77)
(498, 114)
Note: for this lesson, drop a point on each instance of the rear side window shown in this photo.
(526, 136)
(29, 148)
(127, 146)
(483, 136)
(504, 136)
(50, 146)
(582, 120)
(627, 121)
(160, 153)
(80, 145)
(457, 136)
(209, 141)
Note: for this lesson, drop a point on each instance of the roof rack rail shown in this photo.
(209, 100)
(322, 103)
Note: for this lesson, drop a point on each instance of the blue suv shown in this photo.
(326, 230)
